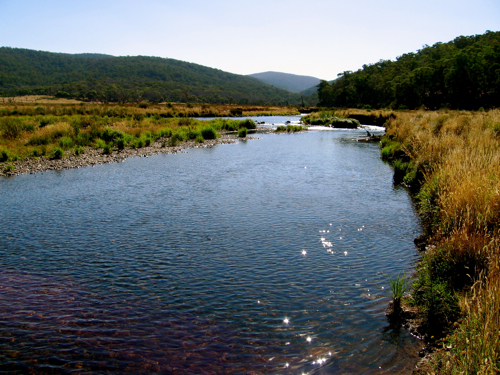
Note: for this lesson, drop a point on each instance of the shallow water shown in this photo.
(265, 256)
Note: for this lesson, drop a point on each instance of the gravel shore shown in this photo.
(93, 156)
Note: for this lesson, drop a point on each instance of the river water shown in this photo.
(265, 256)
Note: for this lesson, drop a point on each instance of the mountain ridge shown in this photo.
(106, 78)
(287, 81)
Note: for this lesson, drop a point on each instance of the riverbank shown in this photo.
(94, 156)
(450, 161)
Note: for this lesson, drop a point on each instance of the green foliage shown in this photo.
(294, 128)
(37, 153)
(329, 118)
(242, 133)
(461, 74)
(107, 149)
(399, 285)
(9, 168)
(4, 155)
(175, 139)
(199, 139)
(11, 127)
(120, 143)
(209, 133)
(165, 133)
(130, 79)
(100, 143)
(79, 150)
(57, 153)
(248, 124)
(280, 128)
(65, 143)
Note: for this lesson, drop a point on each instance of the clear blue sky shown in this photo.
(309, 37)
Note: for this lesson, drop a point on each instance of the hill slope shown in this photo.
(462, 74)
(128, 78)
(286, 81)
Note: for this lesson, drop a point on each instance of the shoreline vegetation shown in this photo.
(45, 133)
(450, 161)
(57, 135)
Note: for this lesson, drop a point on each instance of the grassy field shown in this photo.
(451, 161)
(32, 128)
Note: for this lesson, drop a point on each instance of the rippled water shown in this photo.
(266, 256)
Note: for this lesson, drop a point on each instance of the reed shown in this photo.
(455, 157)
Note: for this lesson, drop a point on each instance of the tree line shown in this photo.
(104, 78)
(461, 74)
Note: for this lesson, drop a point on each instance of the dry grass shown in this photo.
(29, 128)
(41, 99)
(459, 155)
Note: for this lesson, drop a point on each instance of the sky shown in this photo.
(318, 38)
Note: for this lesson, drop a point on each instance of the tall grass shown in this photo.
(456, 156)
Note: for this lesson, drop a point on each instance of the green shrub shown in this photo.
(248, 124)
(209, 133)
(4, 155)
(79, 150)
(9, 168)
(199, 139)
(36, 153)
(99, 143)
(57, 153)
(281, 128)
(83, 139)
(242, 133)
(120, 143)
(294, 128)
(165, 133)
(44, 121)
(107, 149)
(175, 139)
(65, 143)
(11, 127)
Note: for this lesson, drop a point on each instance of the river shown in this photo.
(264, 256)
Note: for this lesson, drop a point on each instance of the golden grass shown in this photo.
(41, 99)
(459, 155)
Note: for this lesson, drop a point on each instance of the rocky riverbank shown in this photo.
(94, 156)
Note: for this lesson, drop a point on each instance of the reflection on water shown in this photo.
(267, 256)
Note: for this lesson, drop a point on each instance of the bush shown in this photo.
(107, 149)
(9, 168)
(242, 133)
(79, 150)
(57, 153)
(175, 139)
(209, 133)
(199, 139)
(4, 156)
(99, 143)
(65, 143)
(248, 124)
(36, 153)
(120, 144)
(165, 133)
(11, 127)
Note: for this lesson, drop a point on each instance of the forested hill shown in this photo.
(129, 78)
(461, 74)
(286, 81)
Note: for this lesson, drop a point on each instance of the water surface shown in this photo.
(265, 256)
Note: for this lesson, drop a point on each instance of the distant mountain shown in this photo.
(286, 81)
(129, 78)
